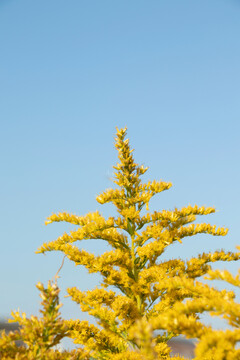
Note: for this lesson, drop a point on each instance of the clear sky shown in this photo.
(70, 72)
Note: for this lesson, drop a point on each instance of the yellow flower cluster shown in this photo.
(143, 301)
(38, 337)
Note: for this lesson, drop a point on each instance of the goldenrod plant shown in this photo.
(38, 337)
(143, 300)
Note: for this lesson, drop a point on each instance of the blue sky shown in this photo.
(70, 72)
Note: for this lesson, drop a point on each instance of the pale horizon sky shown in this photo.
(70, 72)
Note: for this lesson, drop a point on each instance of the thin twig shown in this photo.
(56, 275)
